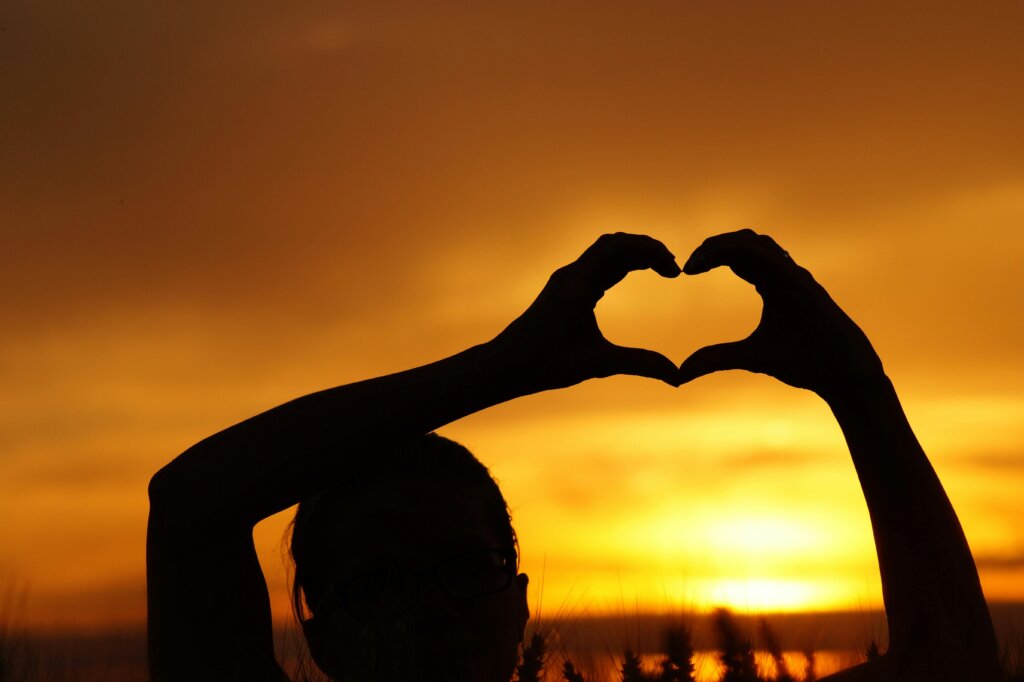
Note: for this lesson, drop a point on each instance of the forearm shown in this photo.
(271, 461)
(204, 504)
(930, 585)
(939, 627)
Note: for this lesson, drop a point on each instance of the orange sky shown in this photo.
(208, 210)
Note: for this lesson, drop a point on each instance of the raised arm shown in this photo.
(209, 612)
(939, 625)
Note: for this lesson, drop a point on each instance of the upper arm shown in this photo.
(209, 610)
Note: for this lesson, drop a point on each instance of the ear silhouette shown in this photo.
(523, 615)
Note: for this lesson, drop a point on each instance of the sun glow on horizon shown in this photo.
(628, 592)
(243, 212)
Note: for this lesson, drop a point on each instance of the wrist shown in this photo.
(857, 387)
(860, 391)
(868, 409)
(505, 367)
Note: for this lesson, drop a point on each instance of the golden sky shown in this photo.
(209, 209)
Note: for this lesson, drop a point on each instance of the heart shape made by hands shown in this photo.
(680, 315)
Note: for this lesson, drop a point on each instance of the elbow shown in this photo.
(183, 496)
(175, 509)
(165, 507)
(170, 492)
(161, 489)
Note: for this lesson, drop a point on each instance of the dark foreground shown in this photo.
(596, 645)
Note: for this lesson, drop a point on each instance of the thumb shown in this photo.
(721, 356)
(642, 363)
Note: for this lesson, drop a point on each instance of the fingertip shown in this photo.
(670, 374)
(717, 358)
(684, 376)
(644, 363)
(667, 373)
(669, 269)
(695, 264)
(663, 261)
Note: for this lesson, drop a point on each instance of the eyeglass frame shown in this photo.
(510, 569)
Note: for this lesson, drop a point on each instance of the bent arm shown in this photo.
(939, 625)
(209, 611)
(205, 585)
(273, 460)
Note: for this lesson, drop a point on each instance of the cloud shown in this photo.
(1004, 463)
(207, 210)
(177, 175)
(774, 459)
(327, 37)
(1000, 562)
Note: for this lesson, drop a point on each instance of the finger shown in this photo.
(756, 258)
(717, 358)
(642, 363)
(613, 256)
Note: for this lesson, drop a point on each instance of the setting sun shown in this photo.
(208, 213)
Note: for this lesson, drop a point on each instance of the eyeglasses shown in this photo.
(387, 589)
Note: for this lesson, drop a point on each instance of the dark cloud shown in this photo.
(75, 472)
(606, 482)
(773, 459)
(200, 201)
(271, 160)
(1006, 463)
(1000, 562)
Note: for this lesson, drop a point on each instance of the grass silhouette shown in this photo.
(737, 651)
(677, 656)
(547, 654)
(771, 644)
(678, 665)
(1013, 657)
(531, 668)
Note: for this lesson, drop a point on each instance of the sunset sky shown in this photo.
(210, 208)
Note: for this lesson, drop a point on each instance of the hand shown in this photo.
(804, 339)
(557, 343)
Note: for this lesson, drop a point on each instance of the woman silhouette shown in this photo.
(406, 562)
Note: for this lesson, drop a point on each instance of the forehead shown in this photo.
(415, 522)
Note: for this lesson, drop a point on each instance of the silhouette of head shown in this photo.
(409, 570)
